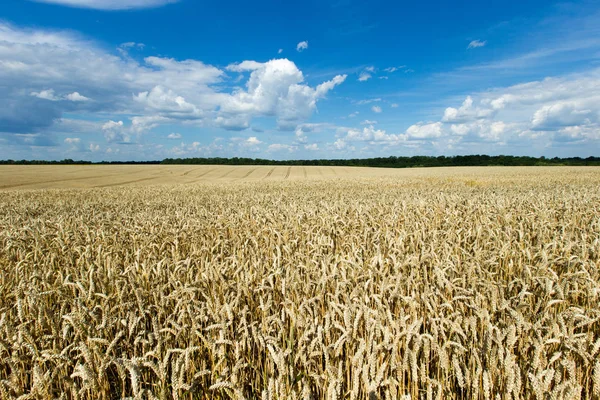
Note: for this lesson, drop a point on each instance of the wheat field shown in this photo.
(96, 176)
(225, 283)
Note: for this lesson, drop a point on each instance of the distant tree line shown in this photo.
(399, 162)
(386, 162)
(68, 161)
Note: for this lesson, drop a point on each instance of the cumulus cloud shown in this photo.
(376, 109)
(44, 74)
(476, 43)
(370, 134)
(72, 140)
(340, 144)
(565, 114)
(373, 138)
(167, 103)
(312, 147)
(119, 132)
(556, 110)
(233, 122)
(492, 131)
(115, 132)
(425, 131)
(364, 76)
(50, 95)
(45, 95)
(276, 88)
(244, 66)
(75, 96)
(109, 4)
(302, 46)
(174, 136)
(142, 124)
(252, 141)
(240, 144)
(466, 112)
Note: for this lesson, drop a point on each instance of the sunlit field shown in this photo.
(222, 282)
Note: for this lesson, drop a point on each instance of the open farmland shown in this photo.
(218, 282)
(95, 176)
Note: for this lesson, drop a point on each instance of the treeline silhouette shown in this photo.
(387, 162)
(68, 161)
(399, 162)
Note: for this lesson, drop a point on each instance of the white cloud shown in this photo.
(384, 77)
(72, 140)
(368, 122)
(115, 132)
(45, 95)
(370, 69)
(233, 122)
(425, 131)
(167, 103)
(565, 114)
(112, 125)
(50, 95)
(300, 135)
(75, 96)
(110, 4)
(370, 134)
(394, 105)
(312, 147)
(174, 136)
(40, 70)
(466, 112)
(142, 124)
(325, 87)
(279, 51)
(118, 132)
(476, 43)
(364, 76)
(491, 131)
(94, 147)
(551, 105)
(373, 138)
(354, 114)
(340, 144)
(302, 46)
(276, 88)
(551, 111)
(252, 141)
(244, 66)
(580, 133)
(376, 109)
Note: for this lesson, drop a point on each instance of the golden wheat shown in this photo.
(435, 285)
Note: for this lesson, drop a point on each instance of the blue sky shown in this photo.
(150, 79)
